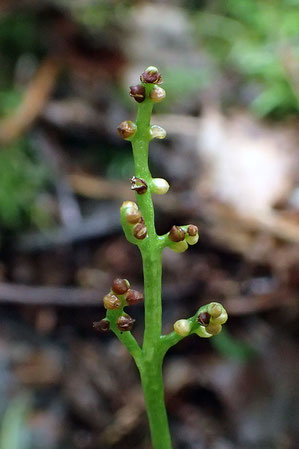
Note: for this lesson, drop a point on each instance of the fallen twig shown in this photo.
(33, 102)
(32, 295)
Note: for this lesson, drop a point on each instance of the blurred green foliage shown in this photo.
(9, 100)
(259, 40)
(19, 34)
(21, 178)
(13, 431)
(22, 175)
(97, 15)
(191, 81)
(232, 348)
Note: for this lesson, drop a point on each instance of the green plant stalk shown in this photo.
(151, 251)
(153, 390)
(149, 358)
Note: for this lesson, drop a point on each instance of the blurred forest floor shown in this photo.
(231, 157)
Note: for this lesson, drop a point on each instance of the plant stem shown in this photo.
(152, 384)
(150, 247)
(125, 337)
(140, 144)
(139, 228)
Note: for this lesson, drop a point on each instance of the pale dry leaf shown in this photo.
(249, 165)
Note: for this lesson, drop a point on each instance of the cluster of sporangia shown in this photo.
(121, 295)
(150, 76)
(209, 319)
(178, 237)
(206, 323)
(127, 130)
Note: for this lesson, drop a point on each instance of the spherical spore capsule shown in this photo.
(215, 309)
(111, 302)
(120, 286)
(214, 329)
(204, 318)
(137, 92)
(133, 297)
(157, 94)
(159, 186)
(138, 185)
(132, 213)
(221, 319)
(192, 235)
(157, 132)
(176, 234)
(182, 327)
(151, 75)
(192, 230)
(125, 323)
(140, 231)
(126, 129)
(101, 326)
(129, 204)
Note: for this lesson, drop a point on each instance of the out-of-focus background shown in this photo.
(231, 72)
